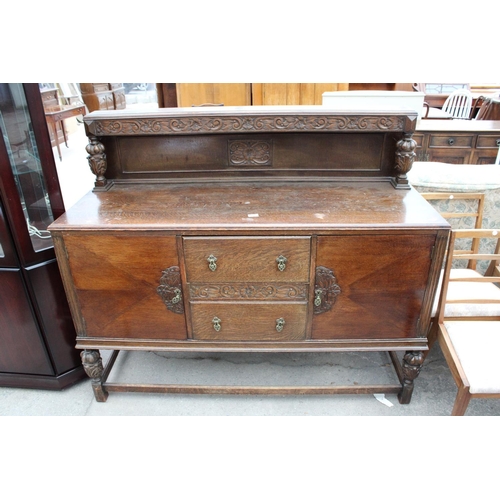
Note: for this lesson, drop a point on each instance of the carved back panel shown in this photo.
(272, 142)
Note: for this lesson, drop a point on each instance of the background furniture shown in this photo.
(103, 96)
(56, 113)
(458, 141)
(257, 94)
(37, 335)
(459, 104)
(471, 342)
(259, 229)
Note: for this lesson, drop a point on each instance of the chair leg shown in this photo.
(461, 402)
(432, 336)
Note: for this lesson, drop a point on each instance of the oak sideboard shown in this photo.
(251, 229)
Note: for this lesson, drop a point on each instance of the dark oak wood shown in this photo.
(279, 229)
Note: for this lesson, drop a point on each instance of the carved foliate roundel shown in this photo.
(326, 290)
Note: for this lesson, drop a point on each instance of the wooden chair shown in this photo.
(469, 322)
(459, 104)
(455, 213)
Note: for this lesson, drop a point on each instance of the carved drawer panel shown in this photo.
(451, 141)
(249, 322)
(246, 259)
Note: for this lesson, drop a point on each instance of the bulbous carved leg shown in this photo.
(412, 364)
(92, 364)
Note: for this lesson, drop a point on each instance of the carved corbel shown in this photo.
(97, 162)
(170, 290)
(326, 290)
(405, 155)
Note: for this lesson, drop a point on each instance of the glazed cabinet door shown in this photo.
(377, 285)
(123, 286)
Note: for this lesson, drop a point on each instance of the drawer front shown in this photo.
(488, 141)
(247, 259)
(451, 141)
(100, 87)
(248, 322)
(419, 139)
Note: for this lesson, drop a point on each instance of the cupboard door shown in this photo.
(21, 348)
(382, 280)
(116, 280)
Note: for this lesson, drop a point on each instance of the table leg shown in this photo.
(56, 138)
(63, 128)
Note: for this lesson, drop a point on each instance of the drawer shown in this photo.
(248, 322)
(241, 259)
(100, 87)
(451, 141)
(488, 141)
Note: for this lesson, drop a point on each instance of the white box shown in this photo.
(375, 100)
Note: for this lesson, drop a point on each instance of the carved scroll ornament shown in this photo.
(170, 290)
(326, 290)
(167, 125)
(248, 291)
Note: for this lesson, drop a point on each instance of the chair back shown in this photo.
(459, 104)
(478, 294)
(458, 209)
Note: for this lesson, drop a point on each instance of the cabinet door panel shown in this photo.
(382, 281)
(21, 347)
(116, 280)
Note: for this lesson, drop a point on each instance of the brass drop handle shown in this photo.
(212, 262)
(216, 323)
(317, 297)
(280, 323)
(177, 297)
(281, 260)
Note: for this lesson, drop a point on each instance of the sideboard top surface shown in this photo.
(251, 206)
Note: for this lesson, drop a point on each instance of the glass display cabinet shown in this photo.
(37, 336)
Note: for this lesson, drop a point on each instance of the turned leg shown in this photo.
(412, 363)
(92, 364)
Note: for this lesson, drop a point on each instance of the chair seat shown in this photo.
(477, 344)
(468, 290)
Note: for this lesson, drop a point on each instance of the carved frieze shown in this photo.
(168, 125)
(170, 290)
(326, 290)
(242, 153)
(247, 291)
